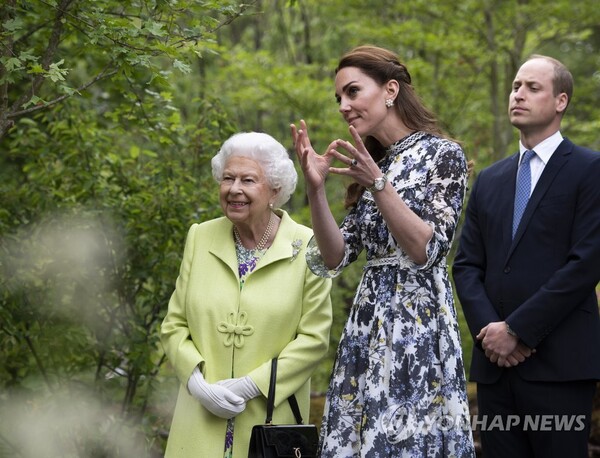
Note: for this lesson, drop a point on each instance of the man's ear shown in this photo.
(562, 100)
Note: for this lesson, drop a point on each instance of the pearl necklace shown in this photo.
(261, 245)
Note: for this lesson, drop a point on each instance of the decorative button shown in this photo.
(235, 329)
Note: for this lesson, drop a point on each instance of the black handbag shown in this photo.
(278, 441)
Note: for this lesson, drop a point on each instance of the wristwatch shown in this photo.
(510, 331)
(378, 184)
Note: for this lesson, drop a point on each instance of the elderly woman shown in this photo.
(244, 295)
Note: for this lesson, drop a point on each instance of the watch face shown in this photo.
(378, 184)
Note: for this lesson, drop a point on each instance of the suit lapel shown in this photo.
(558, 159)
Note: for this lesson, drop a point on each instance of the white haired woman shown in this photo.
(244, 295)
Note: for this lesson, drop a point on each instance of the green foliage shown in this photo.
(109, 114)
(101, 178)
(88, 272)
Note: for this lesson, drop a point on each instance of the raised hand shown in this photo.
(315, 167)
(359, 164)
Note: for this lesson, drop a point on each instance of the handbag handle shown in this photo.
(271, 398)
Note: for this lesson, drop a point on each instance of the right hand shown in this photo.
(243, 387)
(217, 399)
(520, 354)
(315, 167)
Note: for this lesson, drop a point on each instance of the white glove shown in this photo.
(219, 400)
(243, 387)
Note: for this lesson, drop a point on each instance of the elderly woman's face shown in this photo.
(244, 191)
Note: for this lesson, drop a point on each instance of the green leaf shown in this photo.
(34, 100)
(134, 151)
(13, 25)
(36, 68)
(12, 63)
(55, 73)
(181, 66)
(155, 28)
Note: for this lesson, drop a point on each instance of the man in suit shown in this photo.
(528, 292)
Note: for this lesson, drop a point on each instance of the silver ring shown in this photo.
(354, 163)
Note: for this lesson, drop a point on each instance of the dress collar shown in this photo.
(405, 143)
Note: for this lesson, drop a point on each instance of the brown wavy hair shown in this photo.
(382, 66)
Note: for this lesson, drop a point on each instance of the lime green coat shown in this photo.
(283, 310)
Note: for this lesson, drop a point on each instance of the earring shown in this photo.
(270, 205)
(389, 103)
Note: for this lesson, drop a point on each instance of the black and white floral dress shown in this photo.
(398, 384)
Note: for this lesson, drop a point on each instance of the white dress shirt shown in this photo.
(543, 153)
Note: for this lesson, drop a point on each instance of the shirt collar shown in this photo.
(545, 148)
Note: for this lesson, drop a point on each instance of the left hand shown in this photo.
(365, 170)
(497, 343)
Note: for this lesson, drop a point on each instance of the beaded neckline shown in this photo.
(262, 243)
(405, 142)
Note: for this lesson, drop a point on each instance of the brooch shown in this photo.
(296, 247)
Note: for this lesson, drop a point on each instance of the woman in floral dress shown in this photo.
(398, 383)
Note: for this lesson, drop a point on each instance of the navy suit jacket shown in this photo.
(543, 282)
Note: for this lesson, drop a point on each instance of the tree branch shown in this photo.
(48, 53)
(7, 51)
(105, 74)
(38, 361)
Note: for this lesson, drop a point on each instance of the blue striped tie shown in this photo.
(523, 189)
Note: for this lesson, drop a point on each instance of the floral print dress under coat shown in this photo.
(247, 260)
(398, 385)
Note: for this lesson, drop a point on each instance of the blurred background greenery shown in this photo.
(109, 114)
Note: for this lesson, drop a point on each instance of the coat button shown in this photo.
(507, 270)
